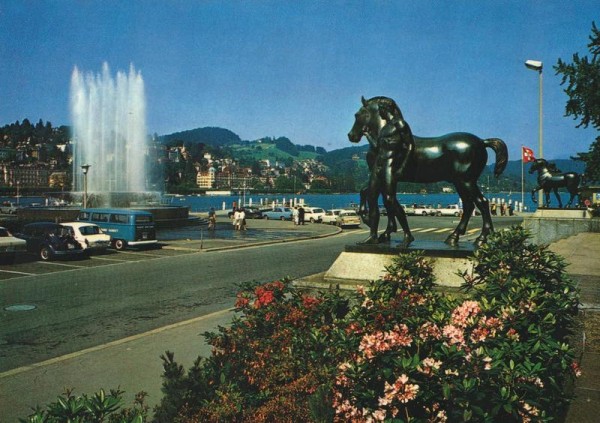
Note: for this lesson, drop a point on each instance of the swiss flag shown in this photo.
(528, 155)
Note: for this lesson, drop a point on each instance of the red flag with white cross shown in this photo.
(528, 155)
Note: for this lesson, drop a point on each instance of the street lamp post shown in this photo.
(536, 65)
(85, 168)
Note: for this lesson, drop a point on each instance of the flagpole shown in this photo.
(522, 179)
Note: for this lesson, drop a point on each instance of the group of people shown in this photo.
(504, 209)
(239, 219)
(298, 215)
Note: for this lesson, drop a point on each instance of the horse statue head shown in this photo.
(538, 164)
(372, 116)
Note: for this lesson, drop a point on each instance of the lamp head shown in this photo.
(534, 65)
(85, 168)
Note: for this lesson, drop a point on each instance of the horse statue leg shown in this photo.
(363, 209)
(391, 225)
(373, 195)
(547, 195)
(560, 205)
(483, 205)
(533, 192)
(468, 207)
(401, 216)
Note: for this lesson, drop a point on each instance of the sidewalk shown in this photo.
(582, 252)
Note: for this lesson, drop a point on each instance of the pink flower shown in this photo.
(513, 334)
(400, 390)
(576, 369)
(488, 363)
(379, 415)
(455, 335)
(379, 341)
(428, 365)
(464, 314)
(429, 330)
(479, 335)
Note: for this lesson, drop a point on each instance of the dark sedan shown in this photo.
(50, 240)
(250, 212)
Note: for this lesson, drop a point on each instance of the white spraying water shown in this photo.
(109, 131)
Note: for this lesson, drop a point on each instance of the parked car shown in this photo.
(89, 235)
(348, 218)
(313, 214)
(408, 209)
(251, 212)
(10, 246)
(330, 216)
(50, 240)
(424, 210)
(280, 213)
(8, 208)
(449, 210)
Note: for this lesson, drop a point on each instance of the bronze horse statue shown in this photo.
(458, 158)
(552, 181)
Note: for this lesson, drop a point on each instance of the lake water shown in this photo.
(330, 201)
(327, 201)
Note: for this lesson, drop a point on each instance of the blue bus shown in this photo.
(127, 227)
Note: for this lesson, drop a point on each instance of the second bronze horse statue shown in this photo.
(552, 181)
(458, 158)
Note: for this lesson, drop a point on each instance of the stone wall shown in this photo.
(547, 226)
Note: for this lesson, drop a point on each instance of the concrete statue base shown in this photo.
(359, 264)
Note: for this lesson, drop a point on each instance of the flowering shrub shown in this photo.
(398, 351)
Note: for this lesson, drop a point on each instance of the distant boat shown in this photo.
(215, 193)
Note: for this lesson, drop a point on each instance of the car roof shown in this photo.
(78, 224)
(42, 225)
(122, 211)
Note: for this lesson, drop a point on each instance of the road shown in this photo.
(82, 304)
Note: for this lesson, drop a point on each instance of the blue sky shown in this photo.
(298, 68)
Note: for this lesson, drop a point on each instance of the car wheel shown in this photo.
(438, 214)
(266, 217)
(119, 244)
(424, 213)
(312, 220)
(45, 253)
(282, 218)
(456, 214)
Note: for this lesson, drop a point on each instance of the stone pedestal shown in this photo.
(550, 225)
(359, 264)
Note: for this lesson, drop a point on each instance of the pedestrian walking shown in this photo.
(295, 216)
(301, 215)
(242, 220)
(212, 219)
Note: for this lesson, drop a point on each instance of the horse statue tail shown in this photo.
(501, 151)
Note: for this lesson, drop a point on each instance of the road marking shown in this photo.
(18, 273)
(110, 259)
(428, 230)
(442, 230)
(118, 342)
(135, 253)
(471, 231)
(61, 264)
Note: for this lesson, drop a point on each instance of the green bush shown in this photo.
(98, 408)
(399, 351)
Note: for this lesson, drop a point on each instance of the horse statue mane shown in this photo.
(385, 106)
